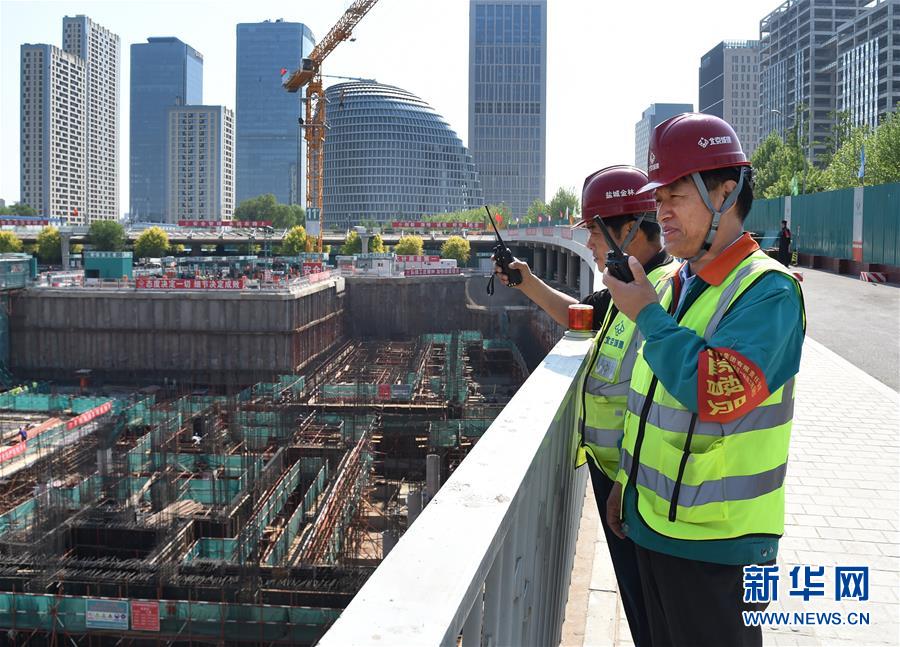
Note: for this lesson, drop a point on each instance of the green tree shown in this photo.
(106, 236)
(177, 248)
(294, 241)
(153, 242)
(376, 244)
(456, 247)
(353, 245)
(410, 244)
(564, 199)
(882, 154)
(765, 172)
(17, 209)
(9, 242)
(266, 207)
(537, 208)
(49, 246)
(262, 207)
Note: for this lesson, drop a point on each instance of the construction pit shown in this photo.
(225, 516)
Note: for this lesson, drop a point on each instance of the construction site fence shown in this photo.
(176, 618)
(828, 223)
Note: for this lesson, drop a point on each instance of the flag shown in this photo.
(569, 216)
(794, 189)
(540, 219)
(499, 219)
(861, 173)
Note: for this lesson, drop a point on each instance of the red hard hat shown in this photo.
(689, 143)
(614, 191)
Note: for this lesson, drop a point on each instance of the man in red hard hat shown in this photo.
(614, 196)
(700, 487)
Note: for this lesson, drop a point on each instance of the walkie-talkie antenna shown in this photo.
(499, 239)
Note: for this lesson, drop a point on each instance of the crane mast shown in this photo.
(309, 74)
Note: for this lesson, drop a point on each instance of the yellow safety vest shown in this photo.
(604, 386)
(701, 480)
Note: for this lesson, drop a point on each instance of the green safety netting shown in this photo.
(301, 625)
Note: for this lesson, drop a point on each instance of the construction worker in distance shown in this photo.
(611, 195)
(700, 489)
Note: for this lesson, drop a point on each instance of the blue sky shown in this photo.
(606, 61)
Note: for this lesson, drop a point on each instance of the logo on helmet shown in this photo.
(703, 142)
(621, 193)
(653, 163)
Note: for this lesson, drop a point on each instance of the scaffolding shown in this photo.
(251, 514)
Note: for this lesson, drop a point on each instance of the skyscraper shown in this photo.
(650, 119)
(729, 88)
(797, 64)
(165, 72)
(270, 152)
(100, 50)
(53, 151)
(868, 63)
(200, 174)
(508, 99)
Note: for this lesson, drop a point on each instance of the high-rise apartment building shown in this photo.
(53, 149)
(797, 67)
(100, 50)
(868, 63)
(200, 173)
(729, 88)
(271, 154)
(165, 72)
(508, 99)
(650, 119)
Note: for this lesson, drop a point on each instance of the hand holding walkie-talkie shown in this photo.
(503, 256)
(616, 259)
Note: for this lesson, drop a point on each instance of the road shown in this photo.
(859, 321)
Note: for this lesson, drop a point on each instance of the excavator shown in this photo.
(309, 75)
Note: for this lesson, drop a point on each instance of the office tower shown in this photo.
(650, 119)
(99, 49)
(729, 88)
(508, 99)
(200, 173)
(271, 155)
(390, 155)
(868, 63)
(797, 66)
(53, 150)
(165, 72)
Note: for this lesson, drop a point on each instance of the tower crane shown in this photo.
(309, 74)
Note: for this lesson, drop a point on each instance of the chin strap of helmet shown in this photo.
(716, 213)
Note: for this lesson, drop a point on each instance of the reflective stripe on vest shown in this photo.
(678, 420)
(704, 480)
(607, 384)
(727, 488)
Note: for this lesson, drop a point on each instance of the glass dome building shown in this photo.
(390, 156)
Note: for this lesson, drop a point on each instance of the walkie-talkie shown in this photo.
(503, 256)
(616, 259)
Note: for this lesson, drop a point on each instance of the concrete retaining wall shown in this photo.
(131, 336)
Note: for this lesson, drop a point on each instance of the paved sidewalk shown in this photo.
(843, 506)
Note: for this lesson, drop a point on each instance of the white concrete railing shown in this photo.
(489, 559)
